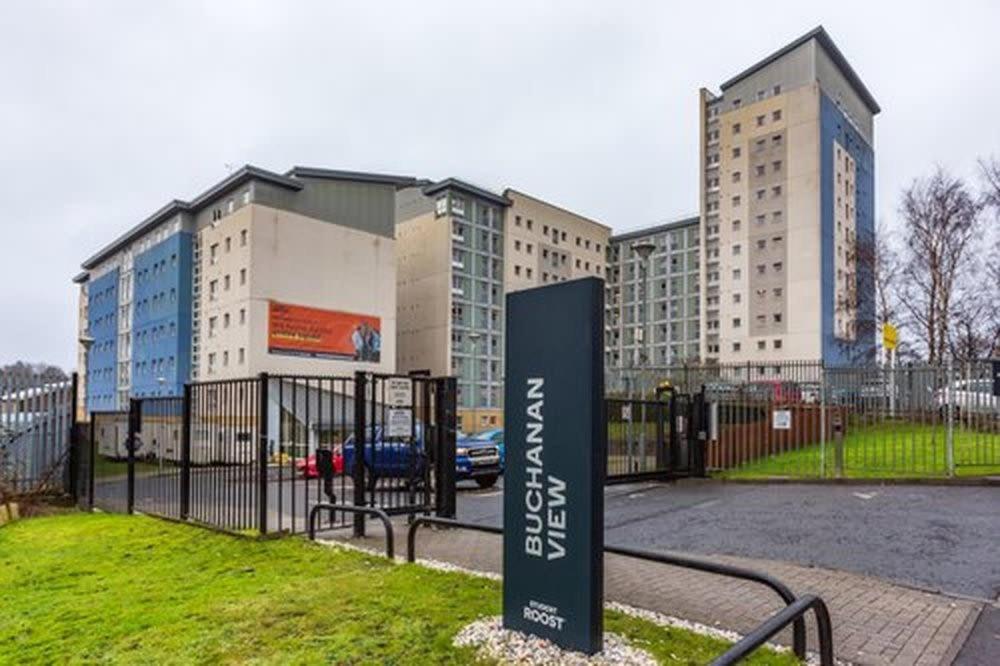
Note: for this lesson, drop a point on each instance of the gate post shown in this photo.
(92, 447)
(134, 427)
(446, 389)
(186, 453)
(262, 433)
(73, 478)
(698, 433)
(358, 471)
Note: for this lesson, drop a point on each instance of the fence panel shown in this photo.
(307, 415)
(159, 460)
(225, 467)
(36, 420)
(109, 433)
(807, 420)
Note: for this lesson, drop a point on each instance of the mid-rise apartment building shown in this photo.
(545, 243)
(461, 249)
(787, 208)
(653, 304)
(264, 272)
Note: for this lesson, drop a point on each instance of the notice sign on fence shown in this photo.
(782, 419)
(399, 391)
(399, 422)
(556, 441)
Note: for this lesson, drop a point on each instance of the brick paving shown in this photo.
(874, 622)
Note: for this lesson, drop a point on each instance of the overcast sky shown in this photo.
(110, 109)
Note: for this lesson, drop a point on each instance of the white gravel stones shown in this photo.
(514, 647)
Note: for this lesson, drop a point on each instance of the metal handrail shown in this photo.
(411, 533)
(364, 510)
(794, 612)
(782, 590)
(708, 566)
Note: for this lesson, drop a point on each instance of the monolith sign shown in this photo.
(555, 440)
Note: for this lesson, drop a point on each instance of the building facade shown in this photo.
(545, 243)
(787, 210)
(653, 306)
(450, 252)
(461, 249)
(284, 273)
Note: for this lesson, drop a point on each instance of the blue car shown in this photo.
(393, 458)
(480, 457)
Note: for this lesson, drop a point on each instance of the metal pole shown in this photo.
(822, 420)
(473, 339)
(185, 508)
(950, 432)
(358, 473)
(262, 441)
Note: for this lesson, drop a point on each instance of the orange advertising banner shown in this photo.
(298, 330)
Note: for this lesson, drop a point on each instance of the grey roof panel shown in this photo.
(820, 34)
(656, 229)
(461, 185)
(357, 176)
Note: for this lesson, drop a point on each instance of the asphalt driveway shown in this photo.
(938, 538)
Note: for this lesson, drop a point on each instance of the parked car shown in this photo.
(772, 390)
(392, 459)
(480, 457)
(307, 466)
(974, 396)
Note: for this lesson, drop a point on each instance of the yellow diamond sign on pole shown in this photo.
(889, 336)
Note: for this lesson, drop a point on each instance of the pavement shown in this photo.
(906, 571)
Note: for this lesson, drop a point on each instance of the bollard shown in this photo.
(838, 444)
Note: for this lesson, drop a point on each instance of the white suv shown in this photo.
(974, 396)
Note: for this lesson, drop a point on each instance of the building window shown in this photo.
(736, 152)
(736, 176)
(760, 121)
(517, 220)
(225, 320)
(213, 253)
(226, 282)
(759, 169)
(517, 270)
(229, 243)
(776, 191)
(736, 201)
(225, 359)
(242, 355)
(736, 128)
(761, 344)
(737, 274)
(517, 245)
(776, 166)
(777, 344)
(243, 316)
(777, 317)
(243, 276)
(243, 236)
(776, 115)
(737, 250)
(736, 346)
(776, 90)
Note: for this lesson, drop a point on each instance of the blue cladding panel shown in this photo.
(161, 321)
(102, 321)
(834, 126)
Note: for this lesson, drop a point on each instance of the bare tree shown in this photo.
(990, 169)
(941, 217)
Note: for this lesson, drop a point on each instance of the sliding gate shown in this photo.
(656, 439)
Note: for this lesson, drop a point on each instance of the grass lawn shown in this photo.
(109, 467)
(883, 451)
(129, 589)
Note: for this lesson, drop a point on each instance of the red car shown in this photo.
(307, 467)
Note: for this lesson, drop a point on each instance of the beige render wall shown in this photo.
(303, 261)
(544, 214)
(226, 301)
(423, 248)
(801, 339)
